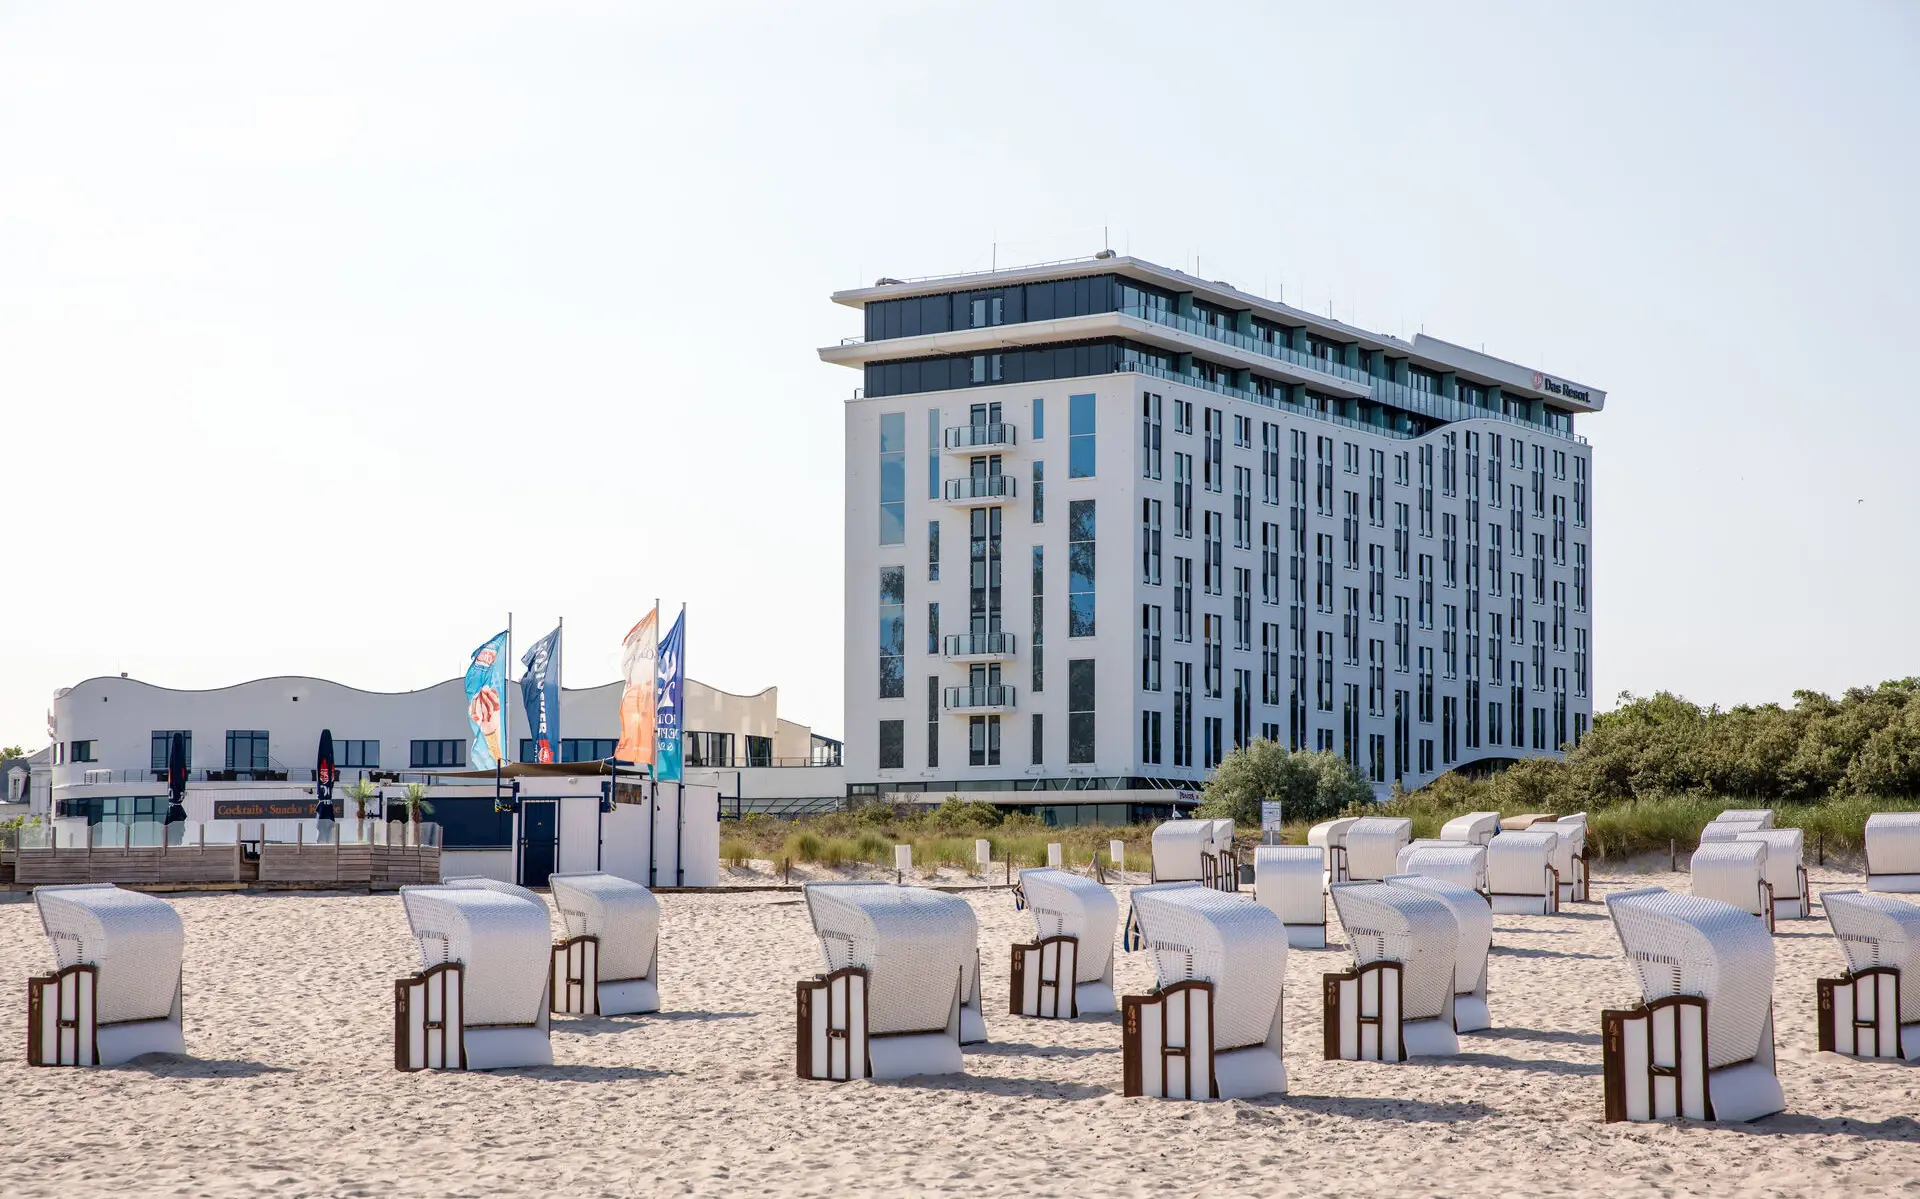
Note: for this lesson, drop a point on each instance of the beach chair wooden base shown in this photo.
(1362, 1014)
(1043, 979)
(1221, 870)
(831, 1040)
(1167, 1042)
(574, 985)
(61, 1018)
(1860, 1015)
(1654, 1060)
(429, 1019)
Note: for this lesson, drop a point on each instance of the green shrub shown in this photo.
(735, 852)
(872, 847)
(804, 847)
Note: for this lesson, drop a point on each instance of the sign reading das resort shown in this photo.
(264, 809)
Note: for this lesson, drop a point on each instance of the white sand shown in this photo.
(291, 1089)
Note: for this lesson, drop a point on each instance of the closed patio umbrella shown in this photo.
(323, 780)
(176, 789)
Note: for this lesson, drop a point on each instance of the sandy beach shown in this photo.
(290, 1089)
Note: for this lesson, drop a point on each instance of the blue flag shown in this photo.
(671, 678)
(540, 695)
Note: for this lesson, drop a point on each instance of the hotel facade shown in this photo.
(1107, 522)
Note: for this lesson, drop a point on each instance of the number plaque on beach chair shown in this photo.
(832, 1025)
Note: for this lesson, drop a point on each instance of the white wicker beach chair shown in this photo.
(1729, 830)
(1761, 816)
(1734, 872)
(1570, 856)
(1397, 1001)
(1893, 852)
(1475, 827)
(1067, 970)
(480, 999)
(1873, 1010)
(115, 990)
(1786, 871)
(1701, 1043)
(1213, 1026)
(901, 992)
(1521, 879)
(1454, 861)
(474, 882)
(1181, 850)
(1287, 881)
(608, 963)
(1475, 920)
(1330, 838)
(1373, 847)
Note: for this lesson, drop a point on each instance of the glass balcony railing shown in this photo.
(992, 695)
(1249, 343)
(970, 437)
(1380, 391)
(980, 487)
(979, 645)
(1386, 392)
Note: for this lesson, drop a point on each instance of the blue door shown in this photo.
(539, 840)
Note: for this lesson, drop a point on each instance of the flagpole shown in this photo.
(506, 691)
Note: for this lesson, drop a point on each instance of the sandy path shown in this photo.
(291, 1090)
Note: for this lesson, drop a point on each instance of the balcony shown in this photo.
(979, 489)
(980, 701)
(966, 439)
(978, 647)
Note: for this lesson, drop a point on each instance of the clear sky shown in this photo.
(331, 333)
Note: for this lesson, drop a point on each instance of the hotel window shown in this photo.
(365, 755)
(1080, 447)
(933, 628)
(1242, 608)
(1183, 714)
(1038, 640)
(162, 746)
(1150, 647)
(933, 551)
(80, 751)
(1426, 685)
(1183, 495)
(1209, 742)
(1183, 420)
(1323, 682)
(1269, 463)
(247, 749)
(983, 741)
(893, 632)
(1150, 435)
(421, 754)
(1150, 738)
(933, 720)
(1270, 665)
(1039, 741)
(1182, 598)
(893, 478)
(1080, 541)
(1039, 492)
(1080, 693)
(1242, 508)
(1580, 492)
(893, 744)
(933, 453)
(596, 749)
(1579, 575)
(1210, 457)
(1039, 418)
(1150, 542)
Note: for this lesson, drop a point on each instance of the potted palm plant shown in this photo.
(361, 792)
(416, 802)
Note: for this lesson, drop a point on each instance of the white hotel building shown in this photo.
(1107, 521)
